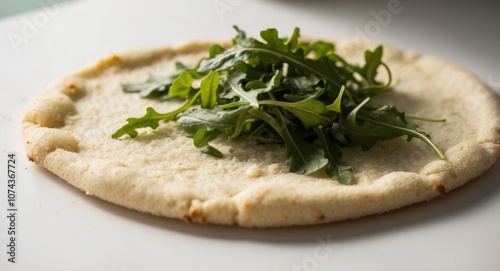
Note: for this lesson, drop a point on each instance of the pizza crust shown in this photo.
(67, 129)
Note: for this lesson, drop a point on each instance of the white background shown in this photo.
(60, 228)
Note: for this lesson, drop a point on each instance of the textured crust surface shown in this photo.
(68, 126)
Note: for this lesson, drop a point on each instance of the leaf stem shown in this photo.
(412, 132)
(424, 118)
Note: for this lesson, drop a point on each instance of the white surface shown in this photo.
(59, 228)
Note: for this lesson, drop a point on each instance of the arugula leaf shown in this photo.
(181, 86)
(366, 133)
(373, 60)
(310, 112)
(320, 49)
(261, 86)
(386, 117)
(302, 156)
(336, 105)
(273, 52)
(201, 140)
(210, 119)
(312, 99)
(369, 72)
(302, 85)
(293, 41)
(234, 88)
(337, 168)
(228, 58)
(301, 97)
(208, 89)
(383, 123)
(151, 119)
(244, 123)
(155, 87)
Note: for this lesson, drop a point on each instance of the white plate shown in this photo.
(60, 228)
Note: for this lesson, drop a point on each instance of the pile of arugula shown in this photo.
(298, 93)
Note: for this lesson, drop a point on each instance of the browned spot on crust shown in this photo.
(186, 218)
(28, 142)
(321, 217)
(114, 58)
(203, 220)
(246, 204)
(441, 189)
(108, 61)
(31, 159)
(73, 91)
(193, 213)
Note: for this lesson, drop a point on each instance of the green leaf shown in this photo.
(224, 60)
(302, 85)
(234, 88)
(302, 156)
(273, 40)
(337, 168)
(181, 86)
(273, 52)
(399, 123)
(192, 71)
(250, 87)
(336, 105)
(243, 123)
(310, 112)
(366, 133)
(210, 119)
(215, 50)
(365, 127)
(258, 86)
(208, 89)
(375, 89)
(201, 140)
(373, 61)
(318, 49)
(308, 96)
(322, 49)
(233, 105)
(293, 41)
(151, 119)
(155, 87)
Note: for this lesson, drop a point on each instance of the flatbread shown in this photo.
(67, 129)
